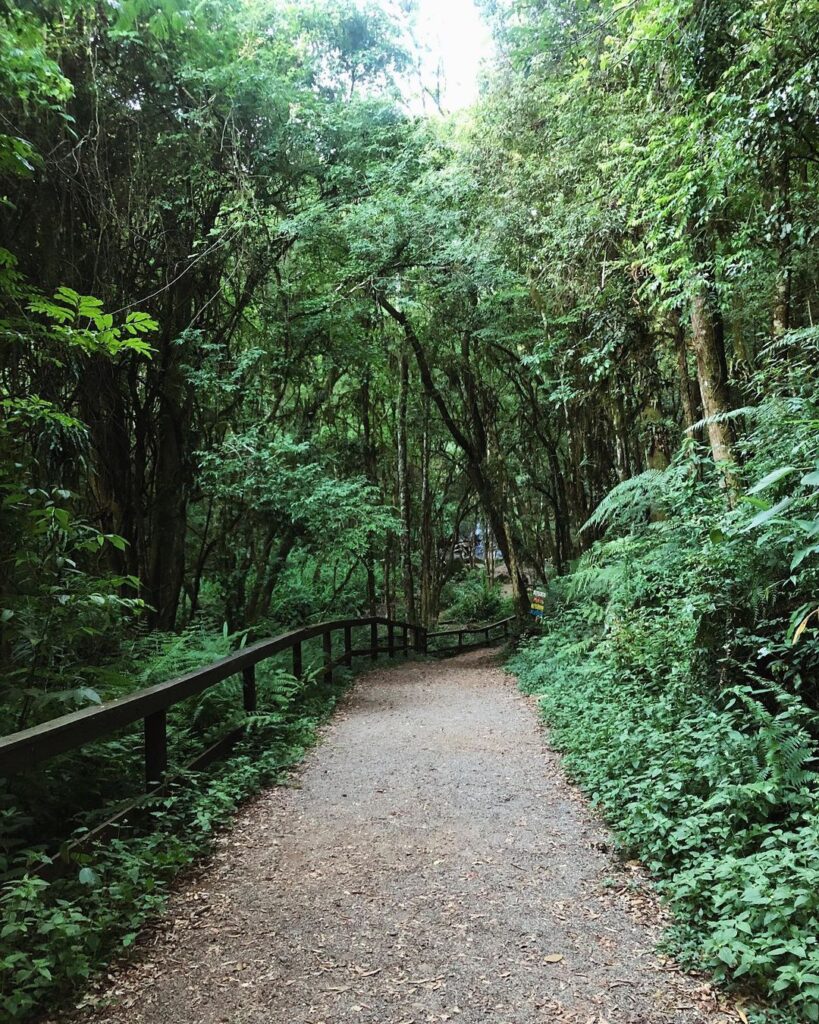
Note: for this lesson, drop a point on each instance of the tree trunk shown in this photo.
(621, 446)
(389, 589)
(428, 567)
(166, 554)
(579, 500)
(685, 383)
(405, 538)
(712, 377)
(507, 542)
(781, 319)
(371, 471)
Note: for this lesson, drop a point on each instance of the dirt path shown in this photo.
(431, 864)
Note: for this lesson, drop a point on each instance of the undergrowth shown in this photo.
(677, 671)
(472, 597)
(55, 936)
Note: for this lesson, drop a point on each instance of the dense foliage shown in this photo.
(57, 933)
(274, 347)
(679, 674)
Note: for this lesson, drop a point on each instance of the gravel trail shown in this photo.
(428, 863)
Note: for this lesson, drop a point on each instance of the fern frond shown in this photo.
(745, 411)
(630, 501)
(806, 337)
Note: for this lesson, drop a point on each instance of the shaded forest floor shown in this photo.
(429, 863)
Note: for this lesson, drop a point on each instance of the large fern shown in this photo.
(630, 503)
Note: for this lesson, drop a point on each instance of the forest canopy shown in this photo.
(239, 272)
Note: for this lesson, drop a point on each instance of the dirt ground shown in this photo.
(429, 863)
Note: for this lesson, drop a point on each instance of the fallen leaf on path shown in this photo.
(553, 958)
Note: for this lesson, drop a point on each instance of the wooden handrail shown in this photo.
(21, 750)
(470, 629)
(461, 631)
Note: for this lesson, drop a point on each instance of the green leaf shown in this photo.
(768, 514)
(68, 295)
(88, 876)
(772, 478)
(803, 553)
(89, 695)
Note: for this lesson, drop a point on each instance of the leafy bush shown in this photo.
(472, 597)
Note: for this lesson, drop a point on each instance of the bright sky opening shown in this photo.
(458, 37)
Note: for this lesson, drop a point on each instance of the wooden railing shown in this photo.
(501, 630)
(22, 750)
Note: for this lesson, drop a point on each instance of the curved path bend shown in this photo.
(428, 863)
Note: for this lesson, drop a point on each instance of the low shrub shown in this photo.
(473, 597)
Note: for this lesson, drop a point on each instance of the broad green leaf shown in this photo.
(772, 478)
(768, 514)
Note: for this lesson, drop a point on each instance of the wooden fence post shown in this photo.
(298, 668)
(328, 657)
(391, 638)
(405, 638)
(249, 688)
(373, 640)
(156, 748)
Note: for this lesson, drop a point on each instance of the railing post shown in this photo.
(298, 669)
(391, 638)
(373, 640)
(505, 628)
(420, 640)
(328, 657)
(156, 748)
(249, 688)
(348, 646)
(486, 634)
(460, 639)
(405, 639)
